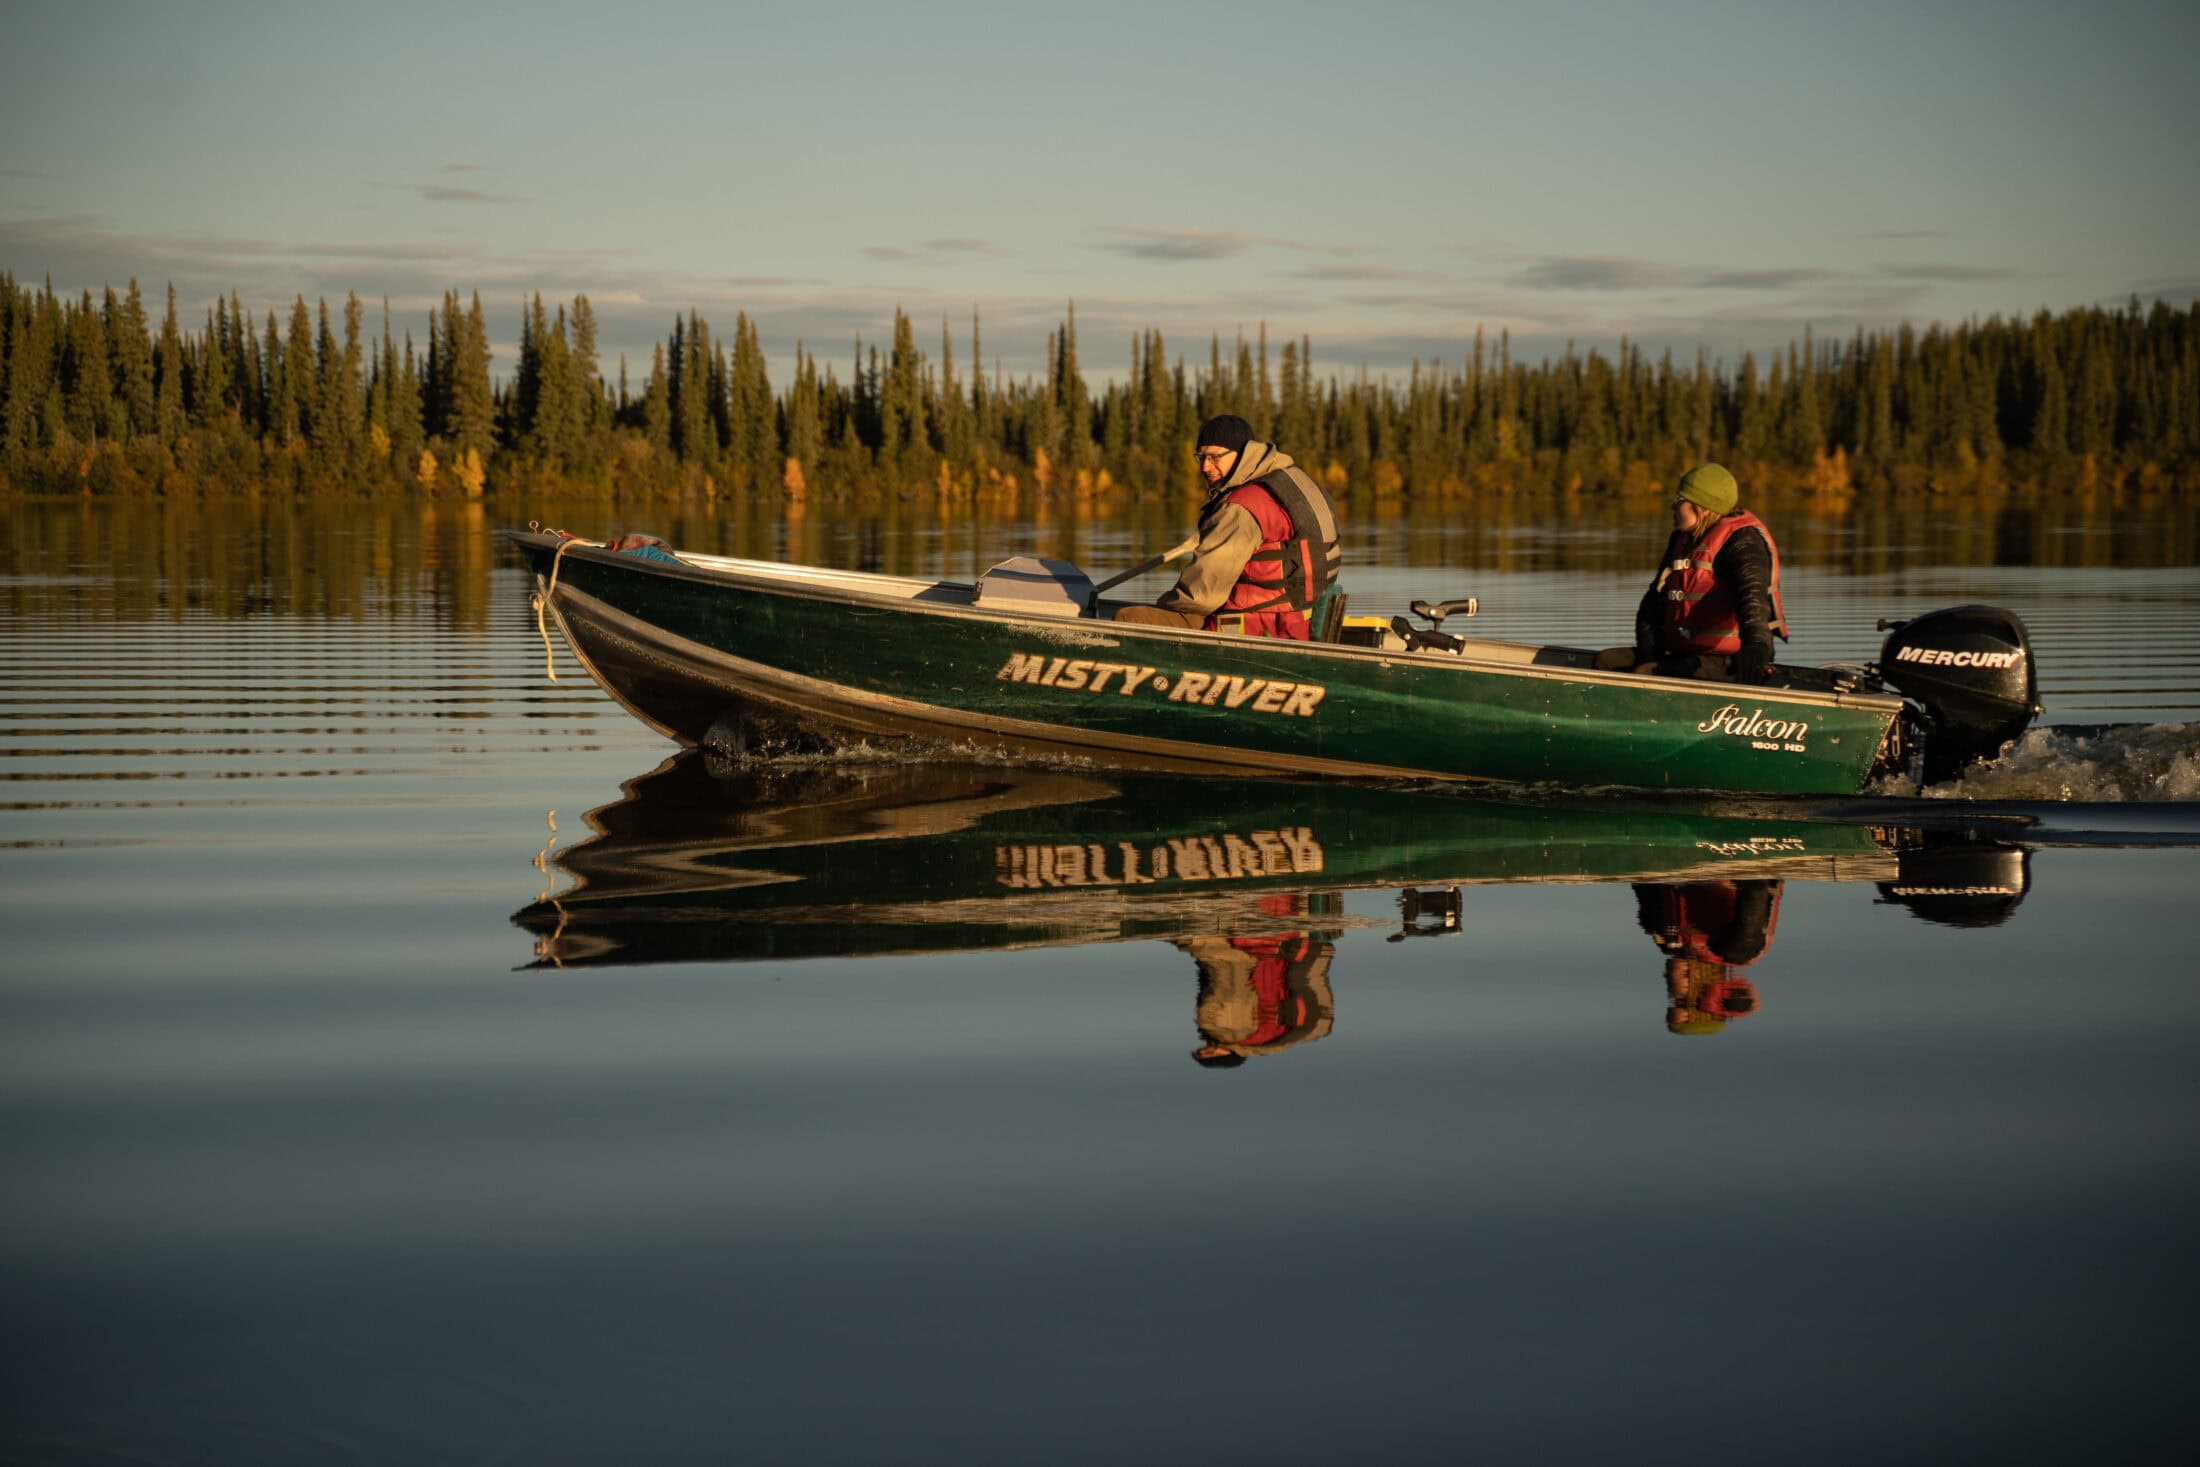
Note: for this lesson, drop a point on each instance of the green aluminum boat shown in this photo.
(750, 655)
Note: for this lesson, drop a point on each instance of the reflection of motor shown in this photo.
(1962, 885)
(1426, 913)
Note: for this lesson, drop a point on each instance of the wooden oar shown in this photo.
(1148, 564)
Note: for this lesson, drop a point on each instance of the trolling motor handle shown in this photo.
(1893, 623)
(1464, 606)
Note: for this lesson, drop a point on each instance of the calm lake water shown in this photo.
(403, 1061)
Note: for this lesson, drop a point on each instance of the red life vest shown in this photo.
(1294, 563)
(1700, 615)
(1689, 915)
(1290, 979)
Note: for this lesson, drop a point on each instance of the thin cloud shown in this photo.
(461, 168)
(1596, 272)
(2176, 291)
(1143, 242)
(1906, 234)
(1762, 279)
(1361, 272)
(932, 251)
(440, 193)
(82, 234)
(1621, 273)
(1175, 244)
(1943, 272)
(28, 175)
(1454, 303)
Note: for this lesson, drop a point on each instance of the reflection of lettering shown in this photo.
(1954, 891)
(1756, 845)
(1227, 857)
(1208, 690)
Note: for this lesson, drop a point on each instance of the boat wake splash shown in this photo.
(2117, 764)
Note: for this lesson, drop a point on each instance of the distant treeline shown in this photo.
(99, 398)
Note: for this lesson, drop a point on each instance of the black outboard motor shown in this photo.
(1970, 668)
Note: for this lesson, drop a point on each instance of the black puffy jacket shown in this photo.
(1745, 565)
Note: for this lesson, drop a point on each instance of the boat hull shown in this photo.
(755, 654)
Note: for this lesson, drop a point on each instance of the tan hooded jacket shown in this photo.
(1229, 1004)
(1229, 542)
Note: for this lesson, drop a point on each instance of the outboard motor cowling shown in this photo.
(1971, 669)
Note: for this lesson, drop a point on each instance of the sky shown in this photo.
(1382, 178)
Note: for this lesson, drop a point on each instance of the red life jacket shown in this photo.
(1700, 615)
(1290, 979)
(1296, 560)
(1688, 915)
(1691, 915)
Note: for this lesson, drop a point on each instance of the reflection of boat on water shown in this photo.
(899, 857)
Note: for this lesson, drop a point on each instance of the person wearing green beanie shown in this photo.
(1713, 608)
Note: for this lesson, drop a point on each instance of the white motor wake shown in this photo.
(2114, 765)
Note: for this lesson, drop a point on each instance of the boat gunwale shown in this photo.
(822, 584)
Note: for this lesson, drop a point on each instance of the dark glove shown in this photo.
(1750, 663)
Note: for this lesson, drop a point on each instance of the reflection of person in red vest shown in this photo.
(1258, 995)
(1709, 931)
(1714, 607)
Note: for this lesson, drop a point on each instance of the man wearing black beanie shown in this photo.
(1268, 542)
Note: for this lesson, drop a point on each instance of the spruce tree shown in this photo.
(168, 387)
(752, 418)
(657, 402)
(131, 356)
(805, 418)
(407, 432)
(586, 380)
(346, 393)
(30, 371)
(210, 397)
(473, 402)
(89, 396)
(301, 374)
(1073, 401)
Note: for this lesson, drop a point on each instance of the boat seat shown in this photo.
(1534, 654)
(1836, 679)
(1565, 657)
